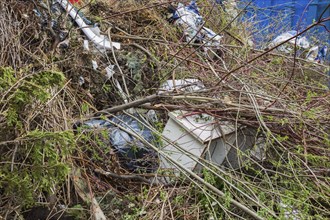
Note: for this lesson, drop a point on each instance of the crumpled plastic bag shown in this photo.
(302, 42)
(317, 54)
(182, 85)
(132, 152)
(190, 20)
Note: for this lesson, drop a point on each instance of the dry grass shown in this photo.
(285, 99)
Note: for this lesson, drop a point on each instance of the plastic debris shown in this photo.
(64, 44)
(230, 7)
(92, 33)
(54, 19)
(317, 54)
(312, 53)
(300, 41)
(81, 81)
(86, 45)
(204, 137)
(132, 152)
(322, 54)
(152, 116)
(290, 212)
(109, 71)
(95, 66)
(192, 23)
(82, 189)
(182, 85)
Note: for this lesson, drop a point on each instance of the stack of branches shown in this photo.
(283, 97)
(37, 104)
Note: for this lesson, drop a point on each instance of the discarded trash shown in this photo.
(321, 56)
(192, 23)
(152, 116)
(300, 42)
(56, 11)
(81, 80)
(64, 44)
(290, 212)
(132, 152)
(109, 71)
(187, 85)
(92, 33)
(94, 64)
(316, 54)
(230, 7)
(86, 45)
(82, 189)
(312, 53)
(203, 137)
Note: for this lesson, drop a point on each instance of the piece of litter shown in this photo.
(290, 212)
(322, 54)
(95, 66)
(109, 71)
(101, 41)
(204, 137)
(86, 45)
(317, 54)
(300, 41)
(133, 154)
(182, 85)
(152, 116)
(192, 23)
(64, 44)
(75, 1)
(81, 80)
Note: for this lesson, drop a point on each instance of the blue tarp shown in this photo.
(271, 18)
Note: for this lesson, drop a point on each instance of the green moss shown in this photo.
(34, 160)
